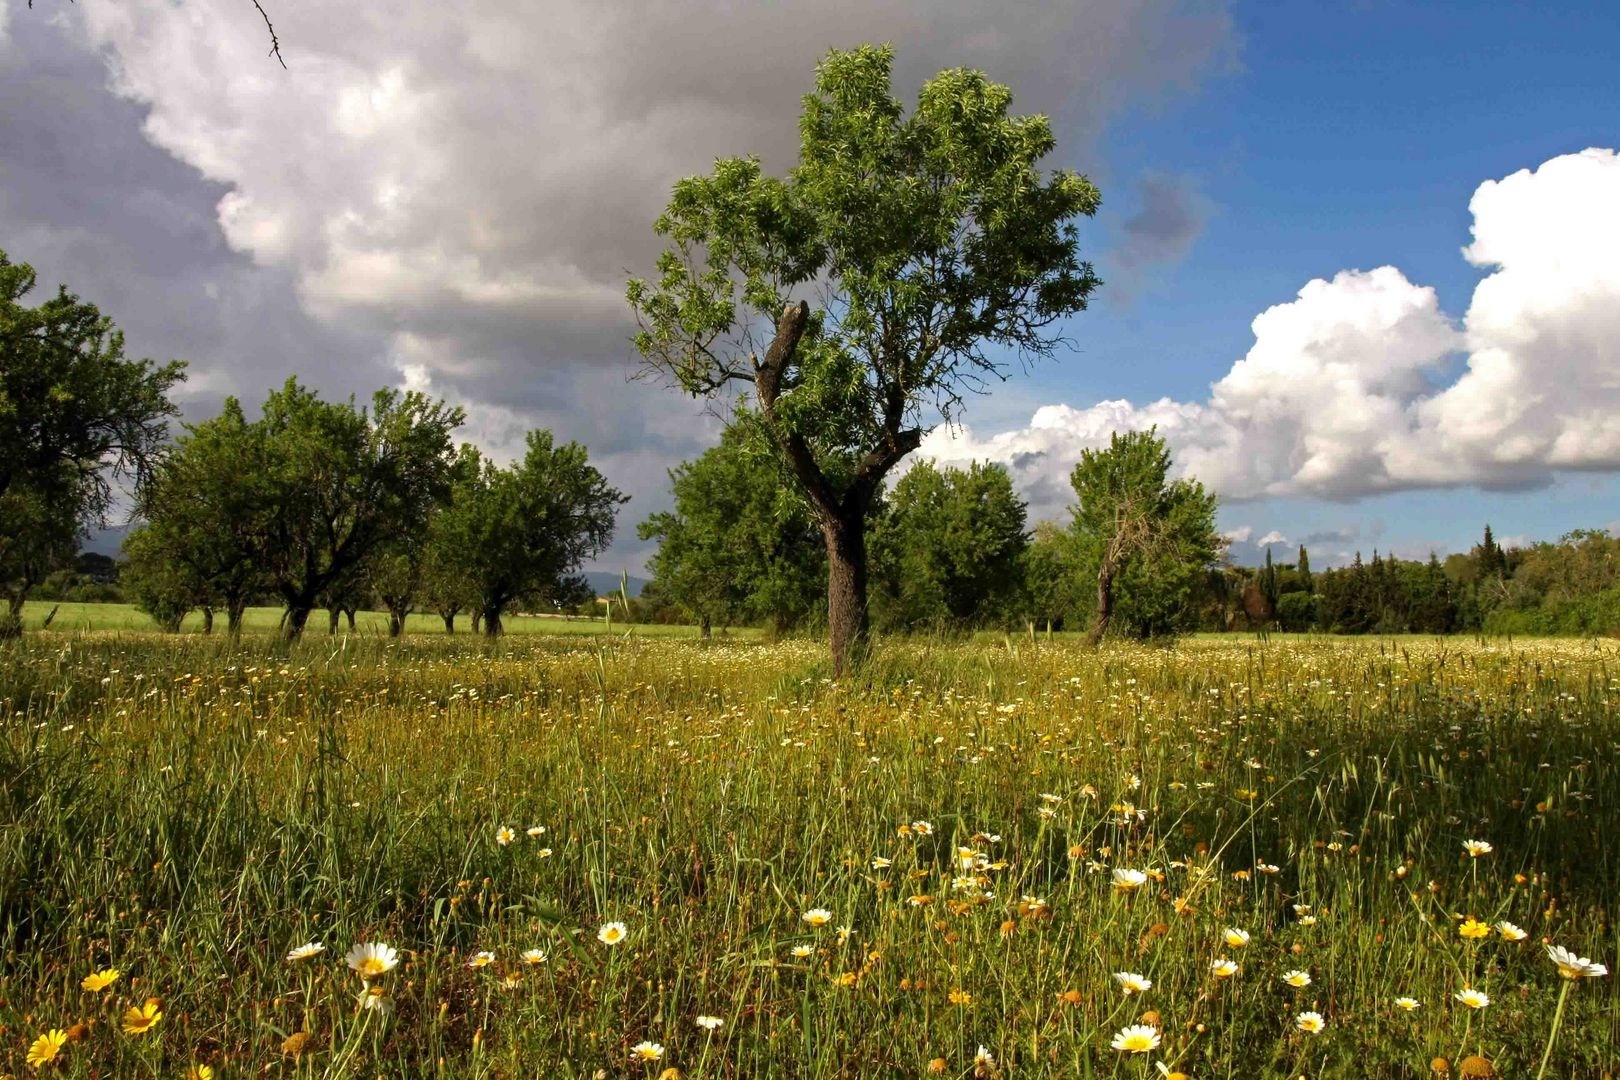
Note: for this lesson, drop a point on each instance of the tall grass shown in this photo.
(186, 811)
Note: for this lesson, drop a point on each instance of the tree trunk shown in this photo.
(297, 616)
(705, 628)
(348, 613)
(208, 620)
(11, 623)
(1105, 602)
(477, 621)
(449, 622)
(233, 618)
(847, 624)
(492, 622)
(332, 617)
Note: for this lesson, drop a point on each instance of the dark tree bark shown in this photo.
(847, 621)
(296, 617)
(332, 617)
(705, 628)
(1105, 601)
(233, 617)
(349, 614)
(492, 622)
(208, 619)
(449, 622)
(477, 621)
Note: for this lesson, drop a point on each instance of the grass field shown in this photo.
(942, 868)
(266, 620)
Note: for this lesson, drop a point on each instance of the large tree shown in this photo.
(522, 533)
(740, 543)
(1142, 531)
(76, 416)
(948, 549)
(939, 255)
(339, 482)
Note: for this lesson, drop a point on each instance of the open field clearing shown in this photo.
(634, 856)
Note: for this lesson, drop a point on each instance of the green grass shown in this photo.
(186, 811)
(267, 620)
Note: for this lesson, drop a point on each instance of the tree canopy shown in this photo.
(938, 252)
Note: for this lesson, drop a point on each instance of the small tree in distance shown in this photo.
(927, 239)
(1131, 517)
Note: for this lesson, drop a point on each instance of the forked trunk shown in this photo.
(847, 625)
(449, 622)
(349, 614)
(233, 618)
(208, 620)
(492, 622)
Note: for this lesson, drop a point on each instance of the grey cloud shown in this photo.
(1164, 228)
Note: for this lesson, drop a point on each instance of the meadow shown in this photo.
(625, 856)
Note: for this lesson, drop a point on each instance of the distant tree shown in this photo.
(1143, 531)
(740, 543)
(938, 248)
(204, 512)
(1268, 582)
(523, 532)
(339, 482)
(1304, 569)
(948, 549)
(1296, 611)
(75, 416)
(156, 582)
(1052, 577)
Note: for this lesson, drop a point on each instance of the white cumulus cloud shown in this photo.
(1343, 393)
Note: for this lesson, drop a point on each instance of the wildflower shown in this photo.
(647, 1051)
(1407, 1004)
(844, 934)
(1128, 880)
(533, 956)
(920, 900)
(937, 1067)
(295, 1043)
(536, 830)
(984, 1062)
(1571, 966)
(817, 916)
(1510, 932)
(46, 1047)
(305, 951)
(200, 1072)
(504, 835)
(1131, 982)
(1474, 999)
(481, 959)
(1307, 920)
(961, 997)
(1474, 929)
(880, 863)
(1476, 848)
(709, 1023)
(922, 828)
(611, 933)
(1223, 968)
(1297, 978)
(372, 959)
(1136, 1039)
(1236, 938)
(375, 999)
(1310, 1022)
(802, 951)
(140, 1019)
(99, 980)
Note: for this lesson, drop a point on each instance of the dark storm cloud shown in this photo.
(451, 196)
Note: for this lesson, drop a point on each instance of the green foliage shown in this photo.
(740, 544)
(948, 550)
(938, 251)
(75, 414)
(1297, 611)
(159, 584)
(1142, 536)
(521, 533)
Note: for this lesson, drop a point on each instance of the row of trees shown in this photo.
(325, 504)
(949, 548)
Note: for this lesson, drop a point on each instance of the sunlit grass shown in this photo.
(188, 813)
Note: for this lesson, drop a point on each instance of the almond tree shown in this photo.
(938, 254)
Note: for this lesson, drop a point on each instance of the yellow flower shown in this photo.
(140, 1020)
(817, 916)
(1297, 978)
(1236, 938)
(1223, 968)
(611, 933)
(1136, 1039)
(46, 1047)
(100, 980)
(199, 1072)
(1571, 966)
(1406, 1004)
(372, 959)
(961, 997)
(1310, 1022)
(1476, 848)
(647, 1051)
(481, 959)
(1474, 999)
(1473, 928)
(1510, 931)
(1132, 983)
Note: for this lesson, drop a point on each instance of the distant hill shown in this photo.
(605, 584)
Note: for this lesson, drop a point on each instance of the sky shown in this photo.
(1361, 261)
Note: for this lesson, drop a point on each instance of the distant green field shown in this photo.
(103, 617)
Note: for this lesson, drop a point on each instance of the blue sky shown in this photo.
(449, 197)
(1344, 136)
